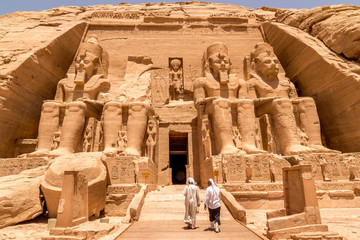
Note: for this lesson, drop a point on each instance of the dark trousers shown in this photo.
(214, 215)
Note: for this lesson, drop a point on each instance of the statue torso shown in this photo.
(89, 90)
(281, 88)
(213, 88)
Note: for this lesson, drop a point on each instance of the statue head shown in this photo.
(216, 61)
(175, 64)
(88, 60)
(264, 61)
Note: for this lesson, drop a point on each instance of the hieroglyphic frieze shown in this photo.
(116, 15)
(10, 166)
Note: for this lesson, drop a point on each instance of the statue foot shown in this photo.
(322, 149)
(231, 150)
(251, 149)
(59, 152)
(298, 149)
(109, 151)
(37, 153)
(131, 151)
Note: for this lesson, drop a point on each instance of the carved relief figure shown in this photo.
(236, 138)
(80, 94)
(353, 169)
(304, 139)
(121, 141)
(87, 139)
(206, 141)
(151, 139)
(176, 78)
(217, 92)
(275, 95)
(136, 171)
(56, 141)
(224, 168)
(248, 171)
(272, 170)
(324, 168)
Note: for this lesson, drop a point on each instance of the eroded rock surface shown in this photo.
(338, 26)
(14, 207)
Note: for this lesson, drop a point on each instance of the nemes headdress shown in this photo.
(92, 46)
(216, 48)
(213, 49)
(261, 48)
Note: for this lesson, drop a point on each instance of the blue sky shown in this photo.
(9, 6)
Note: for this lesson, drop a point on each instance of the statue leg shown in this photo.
(72, 128)
(220, 112)
(112, 125)
(49, 124)
(286, 127)
(309, 119)
(136, 127)
(246, 125)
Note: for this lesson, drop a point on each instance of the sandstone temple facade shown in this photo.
(101, 99)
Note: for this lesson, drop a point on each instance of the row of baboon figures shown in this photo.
(223, 100)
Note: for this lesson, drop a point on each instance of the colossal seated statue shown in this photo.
(216, 94)
(80, 94)
(129, 112)
(275, 95)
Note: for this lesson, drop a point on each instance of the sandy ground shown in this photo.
(345, 221)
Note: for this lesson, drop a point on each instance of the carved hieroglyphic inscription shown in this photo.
(116, 15)
(121, 170)
(260, 167)
(10, 166)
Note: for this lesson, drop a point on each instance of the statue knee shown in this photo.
(138, 107)
(307, 102)
(112, 106)
(50, 107)
(75, 106)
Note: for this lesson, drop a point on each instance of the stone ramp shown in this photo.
(162, 218)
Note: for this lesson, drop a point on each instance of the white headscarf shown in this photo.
(212, 183)
(191, 180)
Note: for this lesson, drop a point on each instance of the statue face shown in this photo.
(267, 65)
(219, 63)
(85, 64)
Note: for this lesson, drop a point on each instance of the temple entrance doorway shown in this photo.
(178, 157)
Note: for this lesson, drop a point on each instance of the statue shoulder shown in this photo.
(63, 81)
(105, 84)
(200, 82)
(285, 82)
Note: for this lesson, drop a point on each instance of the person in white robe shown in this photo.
(192, 201)
(212, 202)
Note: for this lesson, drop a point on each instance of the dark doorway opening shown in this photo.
(178, 157)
